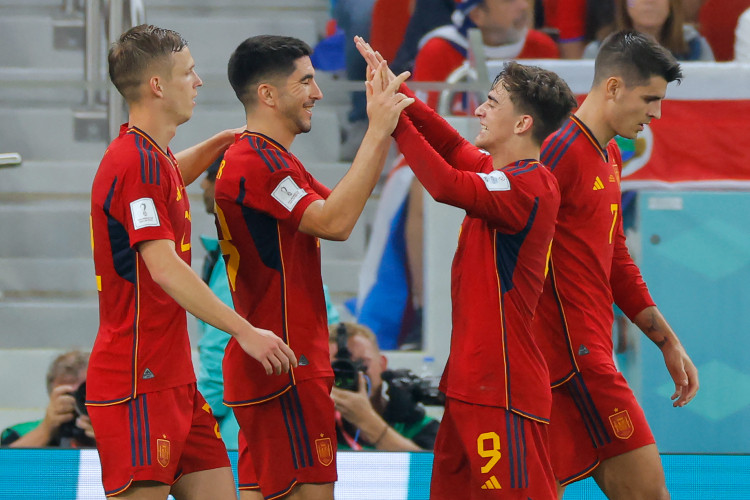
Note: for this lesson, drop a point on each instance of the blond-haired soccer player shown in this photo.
(155, 433)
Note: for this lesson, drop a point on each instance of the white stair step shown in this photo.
(28, 42)
(213, 39)
(47, 275)
(46, 229)
(60, 177)
(55, 324)
(44, 133)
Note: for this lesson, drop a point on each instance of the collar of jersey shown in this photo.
(143, 134)
(273, 143)
(590, 136)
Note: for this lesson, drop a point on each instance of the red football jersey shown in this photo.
(590, 265)
(568, 16)
(262, 191)
(499, 268)
(142, 344)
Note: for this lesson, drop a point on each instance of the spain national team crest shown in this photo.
(325, 451)
(162, 452)
(621, 424)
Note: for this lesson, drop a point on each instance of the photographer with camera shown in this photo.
(369, 413)
(65, 423)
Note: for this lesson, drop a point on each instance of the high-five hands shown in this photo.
(384, 103)
(373, 59)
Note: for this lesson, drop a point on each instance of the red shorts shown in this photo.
(159, 436)
(595, 416)
(484, 452)
(288, 440)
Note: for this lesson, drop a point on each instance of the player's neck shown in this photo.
(592, 115)
(158, 127)
(275, 129)
(511, 153)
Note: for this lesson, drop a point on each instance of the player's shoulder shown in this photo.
(259, 153)
(562, 146)
(531, 174)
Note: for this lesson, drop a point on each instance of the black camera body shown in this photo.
(345, 369)
(69, 430)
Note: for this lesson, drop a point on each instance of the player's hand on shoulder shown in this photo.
(384, 103)
(267, 348)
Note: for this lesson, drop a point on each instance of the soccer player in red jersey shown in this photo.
(598, 427)
(155, 433)
(270, 214)
(492, 441)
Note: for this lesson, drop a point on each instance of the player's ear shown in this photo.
(524, 124)
(155, 86)
(613, 85)
(266, 94)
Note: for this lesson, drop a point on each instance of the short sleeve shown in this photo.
(143, 206)
(285, 193)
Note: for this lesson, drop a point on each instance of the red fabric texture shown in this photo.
(469, 439)
(262, 193)
(389, 21)
(595, 416)
(290, 439)
(142, 344)
(498, 270)
(718, 20)
(590, 267)
(158, 436)
(568, 16)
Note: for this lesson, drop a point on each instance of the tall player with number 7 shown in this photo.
(597, 427)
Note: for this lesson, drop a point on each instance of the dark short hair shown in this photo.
(260, 59)
(636, 57)
(539, 93)
(135, 51)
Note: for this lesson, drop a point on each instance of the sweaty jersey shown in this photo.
(262, 191)
(499, 267)
(590, 267)
(142, 344)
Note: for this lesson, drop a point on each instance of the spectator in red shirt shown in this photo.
(568, 17)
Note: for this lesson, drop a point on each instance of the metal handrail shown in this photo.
(10, 160)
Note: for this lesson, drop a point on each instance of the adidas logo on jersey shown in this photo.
(582, 350)
(492, 484)
(598, 184)
(147, 374)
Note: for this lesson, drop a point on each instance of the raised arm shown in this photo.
(335, 217)
(457, 151)
(194, 160)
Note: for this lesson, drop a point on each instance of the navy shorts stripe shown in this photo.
(148, 433)
(302, 423)
(140, 434)
(508, 426)
(132, 433)
(519, 461)
(523, 443)
(594, 410)
(297, 435)
(585, 415)
(288, 431)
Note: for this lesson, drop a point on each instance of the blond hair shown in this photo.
(69, 364)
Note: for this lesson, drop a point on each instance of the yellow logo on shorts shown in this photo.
(325, 451)
(162, 452)
(621, 424)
